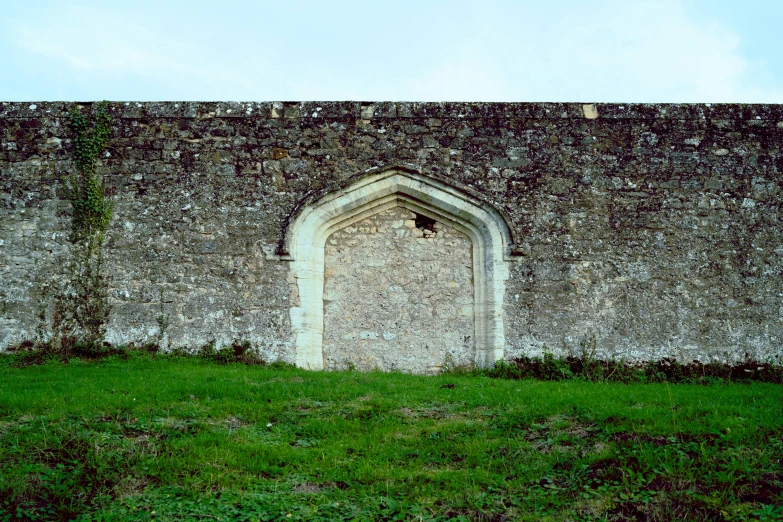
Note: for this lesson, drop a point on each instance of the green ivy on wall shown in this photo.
(80, 295)
(91, 210)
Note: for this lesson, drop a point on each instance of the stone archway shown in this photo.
(375, 193)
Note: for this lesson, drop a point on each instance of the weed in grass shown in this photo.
(587, 368)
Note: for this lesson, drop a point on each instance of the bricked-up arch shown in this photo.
(306, 237)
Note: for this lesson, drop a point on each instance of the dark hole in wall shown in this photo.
(424, 223)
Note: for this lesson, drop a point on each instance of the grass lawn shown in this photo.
(183, 439)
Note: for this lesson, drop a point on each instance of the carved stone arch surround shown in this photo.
(306, 236)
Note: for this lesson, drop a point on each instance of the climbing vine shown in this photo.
(91, 210)
(80, 304)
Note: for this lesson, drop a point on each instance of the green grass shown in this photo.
(180, 438)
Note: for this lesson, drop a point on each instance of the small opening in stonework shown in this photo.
(426, 225)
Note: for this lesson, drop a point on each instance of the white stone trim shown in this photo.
(306, 237)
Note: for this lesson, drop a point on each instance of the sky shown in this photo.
(403, 50)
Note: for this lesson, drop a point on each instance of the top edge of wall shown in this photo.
(397, 110)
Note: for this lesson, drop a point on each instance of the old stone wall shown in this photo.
(653, 229)
(398, 295)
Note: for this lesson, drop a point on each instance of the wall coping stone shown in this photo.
(406, 110)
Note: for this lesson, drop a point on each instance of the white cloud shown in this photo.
(655, 50)
(625, 51)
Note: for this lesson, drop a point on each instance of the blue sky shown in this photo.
(542, 50)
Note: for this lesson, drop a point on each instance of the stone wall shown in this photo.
(398, 296)
(653, 229)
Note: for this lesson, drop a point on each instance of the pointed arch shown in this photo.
(306, 236)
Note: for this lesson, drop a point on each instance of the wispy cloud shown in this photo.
(111, 48)
(94, 42)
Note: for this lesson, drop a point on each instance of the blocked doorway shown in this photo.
(398, 295)
(316, 220)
